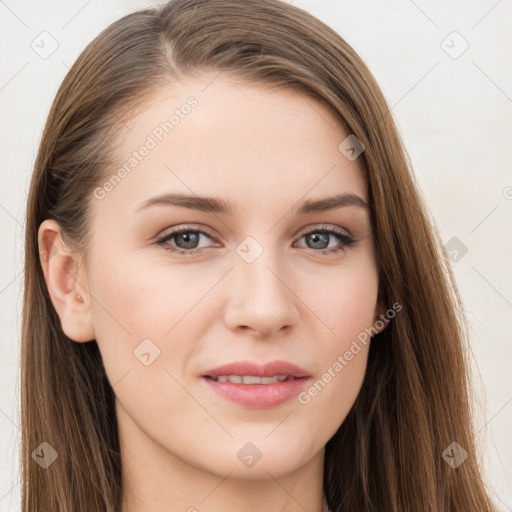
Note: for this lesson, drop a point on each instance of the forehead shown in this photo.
(248, 143)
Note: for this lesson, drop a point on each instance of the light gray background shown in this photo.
(454, 114)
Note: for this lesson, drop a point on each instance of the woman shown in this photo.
(234, 297)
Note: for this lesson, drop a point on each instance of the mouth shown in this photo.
(251, 379)
(252, 385)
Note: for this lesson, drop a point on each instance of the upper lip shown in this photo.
(258, 370)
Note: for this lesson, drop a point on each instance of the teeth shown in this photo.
(247, 379)
(251, 379)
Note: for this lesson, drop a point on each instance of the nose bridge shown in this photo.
(257, 263)
(259, 297)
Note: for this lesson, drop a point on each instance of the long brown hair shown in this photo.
(414, 401)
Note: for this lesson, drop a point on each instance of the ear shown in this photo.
(66, 283)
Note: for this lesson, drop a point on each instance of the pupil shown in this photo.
(189, 244)
(323, 237)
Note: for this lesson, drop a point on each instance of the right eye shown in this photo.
(186, 240)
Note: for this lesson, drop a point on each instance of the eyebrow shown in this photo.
(216, 205)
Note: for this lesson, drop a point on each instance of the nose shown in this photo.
(261, 298)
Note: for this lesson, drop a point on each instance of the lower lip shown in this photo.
(258, 396)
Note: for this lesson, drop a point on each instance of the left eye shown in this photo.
(321, 237)
(187, 240)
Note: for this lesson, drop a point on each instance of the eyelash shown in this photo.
(344, 238)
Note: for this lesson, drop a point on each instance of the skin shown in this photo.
(265, 151)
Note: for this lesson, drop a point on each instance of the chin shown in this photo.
(255, 459)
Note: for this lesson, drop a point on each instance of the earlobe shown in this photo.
(66, 283)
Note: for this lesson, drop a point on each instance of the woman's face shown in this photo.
(257, 281)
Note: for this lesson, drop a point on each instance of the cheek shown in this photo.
(330, 396)
(344, 303)
(140, 317)
(137, 297)
(144, 330)
(347, 306)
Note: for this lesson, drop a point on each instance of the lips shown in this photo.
(246, 368)
(253, 385)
